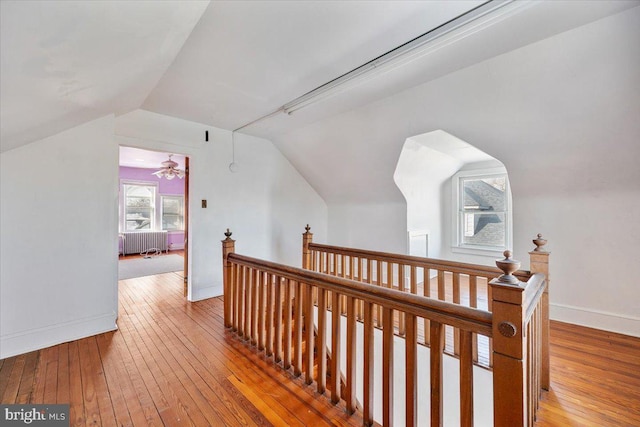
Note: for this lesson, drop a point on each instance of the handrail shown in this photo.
(274, 307)
(467, 318)
(452, 266)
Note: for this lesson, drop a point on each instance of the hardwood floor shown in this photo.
(172, 363)
(595, 379)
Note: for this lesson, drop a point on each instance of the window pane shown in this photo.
(139, 207)
(172, 213)
(484, 195)
(484, 229)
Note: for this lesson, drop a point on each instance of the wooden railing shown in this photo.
(273, 307)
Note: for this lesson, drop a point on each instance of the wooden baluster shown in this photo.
(368, 357)
(539, 263)
(437, 348)
(490, 308)
(441, 286)
(269, 314)
(247, 303)
(323, 262)
(239, 300)
(228, 247)
(360, 278)
(466, 379)
(413, 284)
(387, 366)
(261, 310)
(456, 300)
(509, 368)
(350, 386)
(254, 308)
(473, 302)
(234, 297)
(411, 362)
(401, 288)
(379, 283)
(277, 336)
(321, 344)
(342, 270)
(287, 324)
(334, 265)
(308, 328)
(297, 333)
(426, 291)
(335, 348)
(530, 371)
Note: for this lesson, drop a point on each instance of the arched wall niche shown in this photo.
(424, 172)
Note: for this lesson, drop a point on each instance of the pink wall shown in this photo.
(165, 186)
(172, 187)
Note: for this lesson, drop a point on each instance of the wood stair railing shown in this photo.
(272, 307)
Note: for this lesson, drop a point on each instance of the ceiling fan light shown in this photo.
(169, 170)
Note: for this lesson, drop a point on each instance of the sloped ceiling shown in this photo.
(228, 63)
(67, 62)
(245, 58)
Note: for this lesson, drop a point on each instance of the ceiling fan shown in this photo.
(169, 170)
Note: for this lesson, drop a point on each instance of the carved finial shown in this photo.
(539, 242)
(228, 234)
(307, 228)
(508, 267)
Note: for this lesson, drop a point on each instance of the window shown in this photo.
(139, 207)
(483, 209)
(172, 213)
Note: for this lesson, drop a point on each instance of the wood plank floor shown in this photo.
(172, 363)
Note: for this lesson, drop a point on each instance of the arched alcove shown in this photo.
(427, 166)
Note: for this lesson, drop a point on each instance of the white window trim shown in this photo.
(458, 231)
(162, 212)
(157, 217)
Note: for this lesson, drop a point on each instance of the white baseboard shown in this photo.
(622, 324)
(36, 339)
(201, 293)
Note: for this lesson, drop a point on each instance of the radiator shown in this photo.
(141, 241)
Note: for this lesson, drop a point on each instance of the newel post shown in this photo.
(539, 263)
(509, 364)
(307, 237)
(228, 247)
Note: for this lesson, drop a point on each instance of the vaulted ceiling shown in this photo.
(228, 63)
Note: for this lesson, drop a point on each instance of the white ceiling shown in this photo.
(246, 59)
(228, 63)
(63, 63)
(138, 158)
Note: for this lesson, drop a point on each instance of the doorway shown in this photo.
(153, 213)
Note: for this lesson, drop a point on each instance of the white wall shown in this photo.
(561, 115)
(420, 175)
(266, 203)
(372, 226)
(58, 267)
